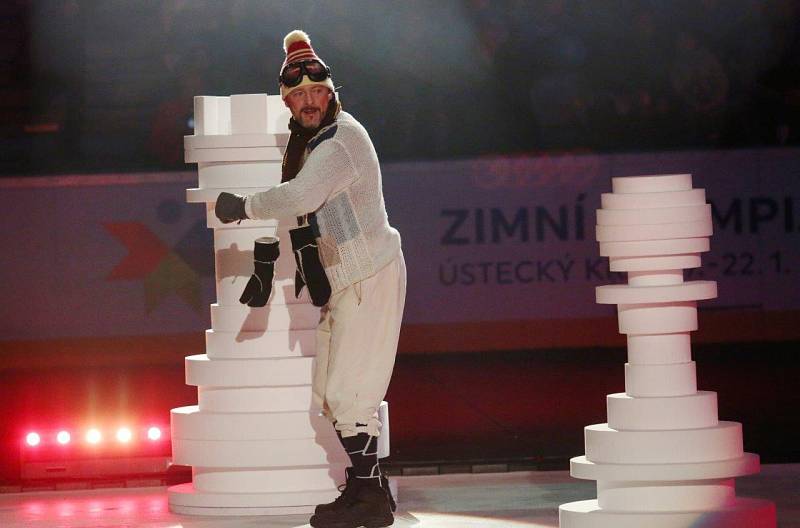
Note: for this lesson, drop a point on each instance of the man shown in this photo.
(331, 173)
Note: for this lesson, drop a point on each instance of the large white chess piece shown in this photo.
(255, 442)
(663, 460)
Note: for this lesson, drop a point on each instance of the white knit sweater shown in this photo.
(341, 182)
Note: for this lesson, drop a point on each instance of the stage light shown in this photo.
(96, 450)
(154, 433)
(93, 436)
(124, 435)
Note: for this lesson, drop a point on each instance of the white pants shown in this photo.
(356, 347)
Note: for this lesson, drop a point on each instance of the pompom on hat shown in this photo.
(297, 46)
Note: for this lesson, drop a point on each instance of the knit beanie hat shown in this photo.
(297, 46)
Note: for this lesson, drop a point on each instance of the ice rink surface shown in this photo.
(493, 500)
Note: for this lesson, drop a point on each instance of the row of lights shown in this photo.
(93, 436)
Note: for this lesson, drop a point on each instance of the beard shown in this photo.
(309, 117)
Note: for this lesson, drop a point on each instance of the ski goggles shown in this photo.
(292, 73)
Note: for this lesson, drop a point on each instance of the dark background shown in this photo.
(108, 85)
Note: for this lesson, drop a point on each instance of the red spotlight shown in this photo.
(93, 436)
(63, 437)
(33, 439)
(154, 433)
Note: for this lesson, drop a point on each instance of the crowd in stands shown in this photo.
(92, 85)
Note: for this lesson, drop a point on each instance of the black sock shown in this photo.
(363, 452)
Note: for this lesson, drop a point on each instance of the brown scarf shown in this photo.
(299, 138)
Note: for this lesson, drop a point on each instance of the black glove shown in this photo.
(309, 267)
(230, 207)
(259, 287)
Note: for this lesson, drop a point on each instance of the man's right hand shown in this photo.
(230, 208)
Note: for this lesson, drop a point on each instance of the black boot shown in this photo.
(388, 490)
(348, 490)
(369, 508)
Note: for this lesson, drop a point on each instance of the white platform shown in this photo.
(643, 248)
(192, 423)
(270, 372)
(628, 294)
(663, 459)
(273, 344)
(653, 381)
(217, 175)
(235, 141)
(255, 399)
(655, 318)
(655, 349)
(185, 498)
(745, 513)
(657, 262)
(299, 452)
(626, 233)
(660, 496)
(674, 446)
(747, 464)
(662, 215)
(693, 411)
(651, 200)
(651, 184)
(234, 154)
(240, 115)
(243, 318)
(212, 480)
